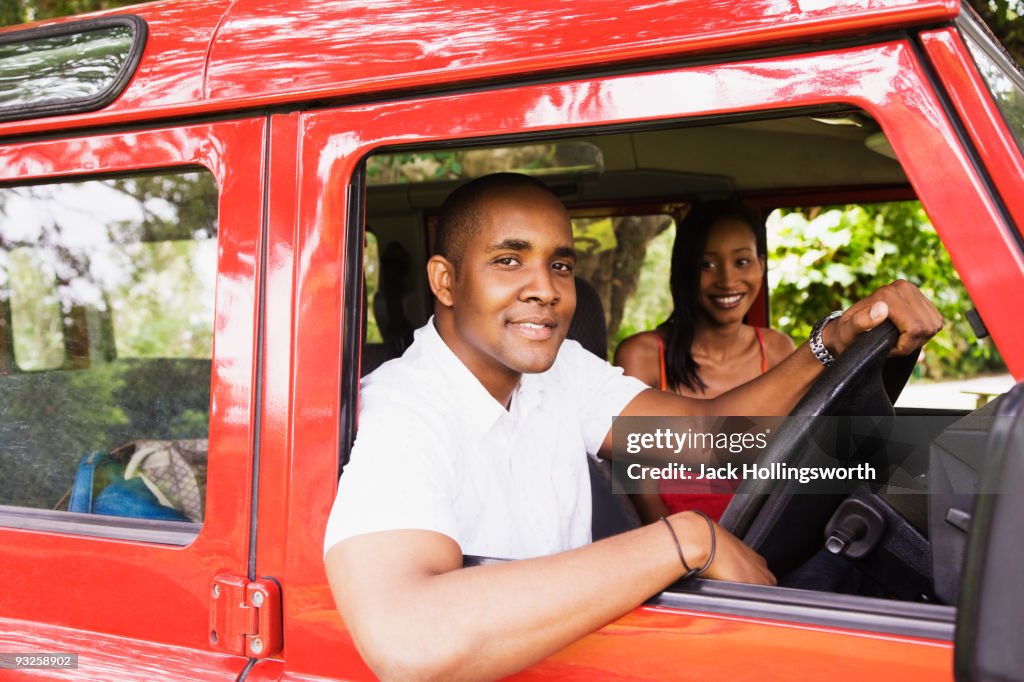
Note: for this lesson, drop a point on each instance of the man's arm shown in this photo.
(777, 392)
(415, 613)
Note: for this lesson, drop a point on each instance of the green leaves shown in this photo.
(826, 259)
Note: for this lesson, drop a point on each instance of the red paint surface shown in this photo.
(106, 657)
(984, 122)
(208, 55)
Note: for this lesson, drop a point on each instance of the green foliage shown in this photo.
(371, 280)
(136, 265)
(594, 235)
(19, 11)
(173, 206)
(652, 303)
(35, 310)
(1004, 19)
(50, 420)
(823, 260)
(615, 255)
(413, 167)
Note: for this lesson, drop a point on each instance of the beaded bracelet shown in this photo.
(693, 572)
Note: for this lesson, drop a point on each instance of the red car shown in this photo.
(186, 303)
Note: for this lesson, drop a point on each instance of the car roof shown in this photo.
(213, 55)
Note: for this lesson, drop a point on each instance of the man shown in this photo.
(474, 442)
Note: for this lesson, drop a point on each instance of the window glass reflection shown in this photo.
(106, 336)
(1005, 88)
(62, 68)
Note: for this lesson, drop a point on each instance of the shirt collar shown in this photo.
(471, 399)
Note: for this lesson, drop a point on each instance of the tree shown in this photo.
(1005, 18)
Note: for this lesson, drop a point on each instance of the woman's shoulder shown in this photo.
(647, 339)
(640, 356)
(777, 345)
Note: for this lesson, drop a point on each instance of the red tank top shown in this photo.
(710, 497)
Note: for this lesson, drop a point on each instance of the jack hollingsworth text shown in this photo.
(777, 471)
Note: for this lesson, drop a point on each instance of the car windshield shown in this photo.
(1003, 78)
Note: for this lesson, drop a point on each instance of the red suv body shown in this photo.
(284, 108)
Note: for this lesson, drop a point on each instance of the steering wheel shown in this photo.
(860, 382)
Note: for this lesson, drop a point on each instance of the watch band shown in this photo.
(817, 346)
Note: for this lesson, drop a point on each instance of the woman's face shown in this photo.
(731, 272)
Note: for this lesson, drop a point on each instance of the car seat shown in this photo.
(611, 514)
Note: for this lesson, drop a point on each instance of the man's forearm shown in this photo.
(489, 621)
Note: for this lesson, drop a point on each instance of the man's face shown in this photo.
(513, 296)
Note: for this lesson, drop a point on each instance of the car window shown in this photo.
(107, 295)
(77, 66)
(821, 256)
(850, 222)
(626, 259)
(1003, 77)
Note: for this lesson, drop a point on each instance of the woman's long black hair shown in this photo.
(687, 259)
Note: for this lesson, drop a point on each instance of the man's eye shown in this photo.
(564, 267)
(507, 260)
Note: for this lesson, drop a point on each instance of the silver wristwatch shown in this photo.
(817, 347)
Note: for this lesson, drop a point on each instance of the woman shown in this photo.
(705, 348)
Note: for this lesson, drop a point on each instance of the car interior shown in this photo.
(626, 189)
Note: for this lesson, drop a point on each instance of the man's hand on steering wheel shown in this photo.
(900, 302)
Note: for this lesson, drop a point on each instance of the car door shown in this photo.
(129, 292)
(700, 630)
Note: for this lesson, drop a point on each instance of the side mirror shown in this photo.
(990, 618)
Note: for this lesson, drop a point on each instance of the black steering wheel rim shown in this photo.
(858, 383)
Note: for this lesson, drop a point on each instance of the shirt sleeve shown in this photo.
(397, 478)
(602, 391)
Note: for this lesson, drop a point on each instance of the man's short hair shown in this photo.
(462, 212)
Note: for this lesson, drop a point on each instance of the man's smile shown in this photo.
(535, 328)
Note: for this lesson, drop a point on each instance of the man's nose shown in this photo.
(541, 286)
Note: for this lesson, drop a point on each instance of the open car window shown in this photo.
(820, 257)
(840, 216)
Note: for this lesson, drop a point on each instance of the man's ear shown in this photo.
(441, 275)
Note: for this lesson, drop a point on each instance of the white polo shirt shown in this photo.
(435, 451)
